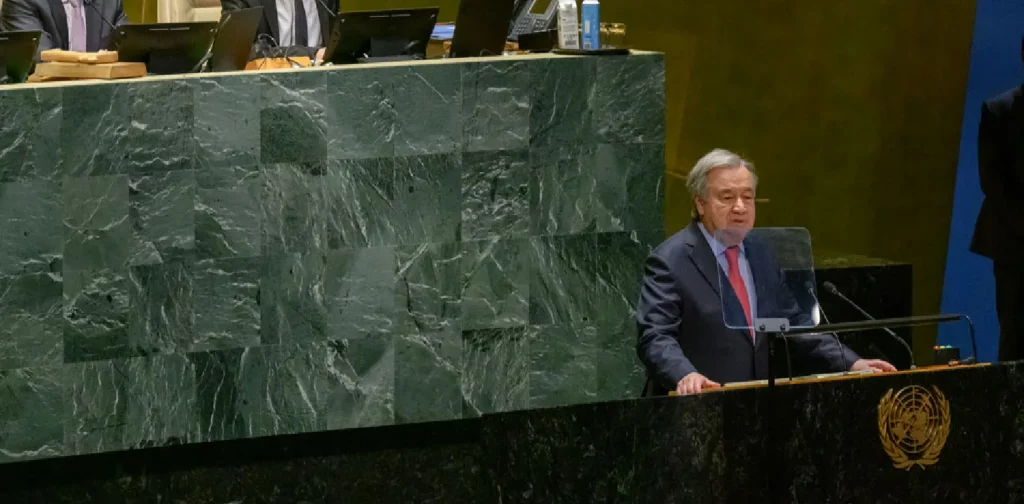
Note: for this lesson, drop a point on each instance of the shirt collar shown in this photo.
(717, 247)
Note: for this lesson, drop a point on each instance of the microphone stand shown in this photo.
(100, 14)
(831, 288)
(772, 328)
(842, 352)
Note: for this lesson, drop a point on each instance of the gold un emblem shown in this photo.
(913, 425)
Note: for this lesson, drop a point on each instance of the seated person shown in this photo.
(73, 25)
(301, 26)
(682, 339)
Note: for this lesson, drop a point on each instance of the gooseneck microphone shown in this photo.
(842, 351)
(92, 5)
(327, 8)
(831, 288)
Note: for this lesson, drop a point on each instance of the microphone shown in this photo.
(831, 288)
(92, 4)
(330, 11)
(842, 351)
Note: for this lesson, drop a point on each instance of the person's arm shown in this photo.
(825, 349)
(232, 5)
(20, 15)
(821, 348)
(994, 165)
(658, 316)
(119, 17)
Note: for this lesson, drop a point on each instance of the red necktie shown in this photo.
(738, 285)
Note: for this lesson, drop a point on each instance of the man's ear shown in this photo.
(699, 205)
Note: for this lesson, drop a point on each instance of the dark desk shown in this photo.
(709, 448)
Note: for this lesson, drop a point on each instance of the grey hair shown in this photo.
(697, 180)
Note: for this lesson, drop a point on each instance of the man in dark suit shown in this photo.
(301, 26)
(999, 231)
(683, 340)
(74, 25)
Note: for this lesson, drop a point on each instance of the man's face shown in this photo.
(730, 201)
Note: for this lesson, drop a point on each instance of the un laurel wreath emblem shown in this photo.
(913, 424)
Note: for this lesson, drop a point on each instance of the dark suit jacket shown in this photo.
(680, 322)
(48, 17)
(999, 231)
(268, 25)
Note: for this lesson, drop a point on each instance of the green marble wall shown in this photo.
(213, 258)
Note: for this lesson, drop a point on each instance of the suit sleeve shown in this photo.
(119, 17)
(994, 164)
(232, 5)
(658, 316)
(825, 349)
(20, 15)
(821, 348)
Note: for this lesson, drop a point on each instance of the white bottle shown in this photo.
(591, 25)
(568, 25)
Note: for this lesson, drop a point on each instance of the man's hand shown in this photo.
(874, 365)
(319, 56)
(693, 383)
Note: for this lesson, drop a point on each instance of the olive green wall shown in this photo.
(850, 110)
(449, 8)
(140, 11)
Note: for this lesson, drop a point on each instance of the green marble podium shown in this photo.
(240, 255)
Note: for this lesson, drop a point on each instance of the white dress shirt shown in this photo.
(285, 22)
(69, 14)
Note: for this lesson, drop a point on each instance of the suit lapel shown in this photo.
(57, 11)
(326, 18)
(270, 13)
(702, 256)
(94, 26)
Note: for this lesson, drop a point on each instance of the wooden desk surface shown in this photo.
(828, 378)
(436, 61)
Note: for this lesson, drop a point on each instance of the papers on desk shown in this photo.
(752, 383)
(58, 64)
(798, 378)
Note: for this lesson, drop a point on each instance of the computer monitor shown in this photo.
(481, 28)
(165, 48)
(233, 43)
(17, 55)
(375, 35)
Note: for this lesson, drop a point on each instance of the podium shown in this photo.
(933, 435)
